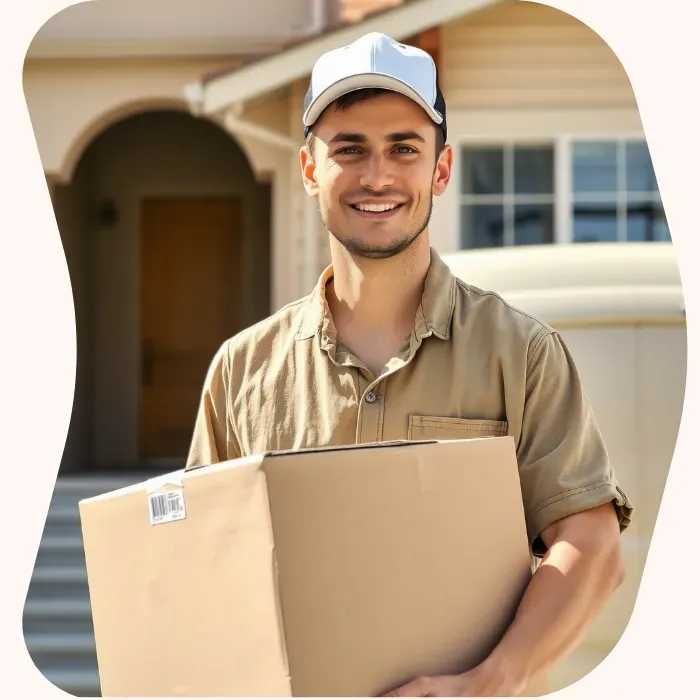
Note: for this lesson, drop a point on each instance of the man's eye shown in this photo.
(350, 150)
(405, 149)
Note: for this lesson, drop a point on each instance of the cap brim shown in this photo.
(360, 82)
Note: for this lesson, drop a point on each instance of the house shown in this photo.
(169, 136)
(187, 119)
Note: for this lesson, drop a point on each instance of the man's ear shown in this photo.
(308, 171)
(443, 171)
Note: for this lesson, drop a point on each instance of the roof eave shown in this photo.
(272, 72)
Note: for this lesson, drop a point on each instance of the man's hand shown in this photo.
(478, 683)
(582, 568)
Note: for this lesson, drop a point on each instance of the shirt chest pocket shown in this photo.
(446, 428)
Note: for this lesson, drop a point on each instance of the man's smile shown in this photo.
(376, 210)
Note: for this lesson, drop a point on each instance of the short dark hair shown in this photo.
(349, 99)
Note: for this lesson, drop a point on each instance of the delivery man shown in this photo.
(391, 346)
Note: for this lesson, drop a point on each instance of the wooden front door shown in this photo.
(191, 274)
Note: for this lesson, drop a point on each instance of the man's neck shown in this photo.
(374, 302)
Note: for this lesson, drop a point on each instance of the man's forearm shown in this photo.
(582, 568)
(565, 595)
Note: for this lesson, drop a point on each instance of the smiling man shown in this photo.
(390, 345)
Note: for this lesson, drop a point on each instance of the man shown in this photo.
(391, 346)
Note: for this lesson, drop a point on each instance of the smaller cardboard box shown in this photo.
(332, 572)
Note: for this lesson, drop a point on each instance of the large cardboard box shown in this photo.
(332, 572)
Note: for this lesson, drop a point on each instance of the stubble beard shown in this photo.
(358, 248)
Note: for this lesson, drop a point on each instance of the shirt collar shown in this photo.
(434, 315)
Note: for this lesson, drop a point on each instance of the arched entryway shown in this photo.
(167, 236)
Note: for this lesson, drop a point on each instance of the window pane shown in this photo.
(482, 225)
(534, 223)
(595, 221)
(640, 171)
(595, 166)
(482, 170)
(646, 221)
(534, 169)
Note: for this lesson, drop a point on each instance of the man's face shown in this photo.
(374, 172)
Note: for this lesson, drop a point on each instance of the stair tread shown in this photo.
(60, 574)
(78, 677)
(58, 608)
(50, 541)
(38, 642)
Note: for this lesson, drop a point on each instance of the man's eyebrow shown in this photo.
(396, 137)
(405, 136)
(345, 137)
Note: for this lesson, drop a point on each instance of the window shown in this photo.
(615, 194)
(511, 193)
(507, 195)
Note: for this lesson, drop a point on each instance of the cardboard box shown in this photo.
(333, 572)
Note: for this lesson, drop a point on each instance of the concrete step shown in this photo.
(58, 616)
(61, 542)
(63, 520)
(58, 583)
(75, 644)
(59, 574)
(58, 609)
(64, 549)
(61, 514)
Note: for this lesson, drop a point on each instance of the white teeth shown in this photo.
(376, 207)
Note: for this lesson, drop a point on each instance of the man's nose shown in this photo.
(378, 172)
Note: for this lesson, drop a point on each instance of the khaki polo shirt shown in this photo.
(473, 366)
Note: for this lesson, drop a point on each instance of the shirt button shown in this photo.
(371, 396)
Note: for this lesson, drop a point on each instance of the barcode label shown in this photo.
(166, 507)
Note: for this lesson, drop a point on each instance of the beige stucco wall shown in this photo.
(72, 207)
(167, 154)
(635, 378)
(71, 101)
(272, 164)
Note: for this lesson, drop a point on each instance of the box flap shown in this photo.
(345, 448)
(327, 448)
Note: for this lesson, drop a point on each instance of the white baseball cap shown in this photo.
(375, 61)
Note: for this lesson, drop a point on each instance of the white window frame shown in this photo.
(506, 199)
(563, 185)
(622, 191)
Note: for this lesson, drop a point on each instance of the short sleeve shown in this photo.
(213, 438)
(564, 465)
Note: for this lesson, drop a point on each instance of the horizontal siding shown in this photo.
(521, 54)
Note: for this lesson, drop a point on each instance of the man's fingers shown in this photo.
(418, 688)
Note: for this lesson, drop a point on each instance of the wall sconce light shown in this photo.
(108, 214)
